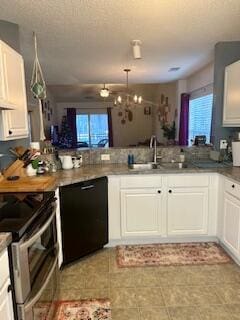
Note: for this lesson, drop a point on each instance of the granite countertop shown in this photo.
(5, 240)
(66, 177)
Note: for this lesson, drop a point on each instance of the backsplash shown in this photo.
(141, 155)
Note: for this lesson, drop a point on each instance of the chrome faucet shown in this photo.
(153, 144)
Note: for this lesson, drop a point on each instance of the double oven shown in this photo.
(33, 253)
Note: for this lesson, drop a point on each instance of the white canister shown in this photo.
(66, 162)
(30, 171)
(236, 153)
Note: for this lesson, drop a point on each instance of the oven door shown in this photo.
(29, 255)
(42, 302)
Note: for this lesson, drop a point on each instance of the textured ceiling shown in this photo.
(88, 41)
(90, 92)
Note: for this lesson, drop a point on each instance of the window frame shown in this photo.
(197, 95)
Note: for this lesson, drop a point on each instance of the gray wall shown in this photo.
(225, 54)
(9, 33)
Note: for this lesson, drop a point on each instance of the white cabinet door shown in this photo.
(141, 212)
(231, 110)
(6, 306)
(187, 211)
(14, 123)
(231, 224)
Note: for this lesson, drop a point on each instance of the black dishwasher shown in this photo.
(84, 218)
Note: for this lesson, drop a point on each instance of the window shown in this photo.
(92, 130)
(200, 117)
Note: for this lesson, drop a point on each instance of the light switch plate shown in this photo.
(105, 157)
(223, 144)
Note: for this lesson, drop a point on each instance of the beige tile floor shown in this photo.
(155, 293)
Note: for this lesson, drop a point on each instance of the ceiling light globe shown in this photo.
(104, 93)
(119, 99)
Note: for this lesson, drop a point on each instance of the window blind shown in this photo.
(200, 117)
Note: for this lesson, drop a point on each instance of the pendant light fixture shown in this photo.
(136, 46)
(104, 92)
(127, 99)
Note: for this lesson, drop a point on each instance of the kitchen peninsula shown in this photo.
(166, 205)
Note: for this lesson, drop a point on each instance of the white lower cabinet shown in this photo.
(6, 305)
(166, 206)
(141, 212)
(187, 211)
(231, 224)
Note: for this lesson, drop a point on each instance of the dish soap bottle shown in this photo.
(182, 156)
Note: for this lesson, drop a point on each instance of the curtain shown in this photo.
(184, 119)
(71, 119)
(110, 128)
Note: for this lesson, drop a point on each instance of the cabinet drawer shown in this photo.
(141, 181)
(4, 266)
(182, 181)
(233, 188)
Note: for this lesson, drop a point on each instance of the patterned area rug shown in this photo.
(92, 309)
(173, 254)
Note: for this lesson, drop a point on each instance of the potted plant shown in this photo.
(169, 132)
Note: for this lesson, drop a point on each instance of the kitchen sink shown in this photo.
(175, 165)
(143, 166)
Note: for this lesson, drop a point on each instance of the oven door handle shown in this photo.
(31, 303)
(30, 241)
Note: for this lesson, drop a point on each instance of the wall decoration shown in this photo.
(125, 114)
(163, 109)
(147, 111)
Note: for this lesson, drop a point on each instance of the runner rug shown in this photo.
(92, 309)
(173, 254)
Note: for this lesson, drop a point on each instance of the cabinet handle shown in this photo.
(170, 191)
(159, 191)
(10, 132)
(9, 288)
(233, 185)
(91, 186)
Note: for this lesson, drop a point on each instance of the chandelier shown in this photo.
(127, 100)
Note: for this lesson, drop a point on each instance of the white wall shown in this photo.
(169, 90)
(201, 78)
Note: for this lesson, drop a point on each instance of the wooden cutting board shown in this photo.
(28, 184)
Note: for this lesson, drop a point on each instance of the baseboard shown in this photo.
(115, 242)
(235, 259)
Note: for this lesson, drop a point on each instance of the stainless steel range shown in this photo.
(33, 253)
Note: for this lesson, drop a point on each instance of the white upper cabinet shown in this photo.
(14, 122)
(231, 104)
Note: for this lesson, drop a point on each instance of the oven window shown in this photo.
(42, 248)
(45, 306)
